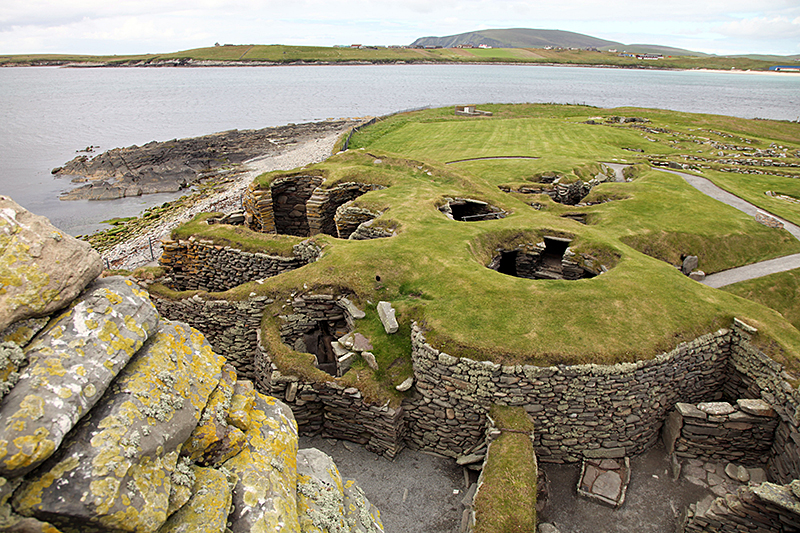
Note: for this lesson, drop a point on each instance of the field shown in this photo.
(319, 54)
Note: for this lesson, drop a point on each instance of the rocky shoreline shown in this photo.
(174, 165)
(300, 151)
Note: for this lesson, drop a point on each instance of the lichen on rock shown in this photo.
(70, 365)
(207, 510)
(123, 458)
(42, 269)
(264, 497)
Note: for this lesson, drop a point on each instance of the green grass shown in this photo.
(780, 292)
(434, 271)
(289, 53)
(236, 236)
(506, 501)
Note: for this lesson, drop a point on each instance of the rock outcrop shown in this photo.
(118, 420)
(173, 165)
(42, 269)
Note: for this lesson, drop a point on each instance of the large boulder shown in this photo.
(42, 269)
(118, 468)
(264, 497)
(70, 365)
(328, 504)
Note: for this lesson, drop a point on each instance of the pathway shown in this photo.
(752, 271)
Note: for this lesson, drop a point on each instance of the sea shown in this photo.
(48, 114)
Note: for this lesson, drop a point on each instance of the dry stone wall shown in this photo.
(335, 411)
(755, 375)
(282, 207)
(231, 327)
(323, 204)
(202, 265)
(721, 432)
(765, 508)
(579, 411)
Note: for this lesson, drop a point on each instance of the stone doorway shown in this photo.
(318, 341)
(468, 210)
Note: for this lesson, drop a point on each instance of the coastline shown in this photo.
(195, 63)
(135, 252)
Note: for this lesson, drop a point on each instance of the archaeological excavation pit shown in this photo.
(469, 210)
(298, 205)
(549, 259)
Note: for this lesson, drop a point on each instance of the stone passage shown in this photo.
(298, 205)
(317, 320)
(550, 259)
(468, 210)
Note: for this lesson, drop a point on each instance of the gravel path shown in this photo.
(135, 252)
(754, 270)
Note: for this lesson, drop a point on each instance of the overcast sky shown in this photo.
(157, 26)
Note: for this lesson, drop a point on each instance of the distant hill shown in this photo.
(529, 38)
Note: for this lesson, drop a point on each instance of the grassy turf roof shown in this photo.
(434, 270)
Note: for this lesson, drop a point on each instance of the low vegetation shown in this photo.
(287, 54)
(435, 270)
(506, 501)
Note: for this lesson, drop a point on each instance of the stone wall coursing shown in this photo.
(765, 508)
(752, 374)
(335, 411)
(257, 204)
(281, 208)
(289, 198)
(581, 410)
(323, 204)
(367, 231)
(720, 432)
(230, 327)
(348, 218)
(308, 311)
(201, 265)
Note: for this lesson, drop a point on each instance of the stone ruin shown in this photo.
(550, 259)
(298, 205)
(469, 210)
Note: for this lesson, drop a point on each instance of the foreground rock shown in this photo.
(70, 365)
(121, 421)
(174, 165)
(41, 268)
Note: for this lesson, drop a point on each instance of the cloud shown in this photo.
(762, 28)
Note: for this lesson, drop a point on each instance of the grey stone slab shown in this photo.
(688, 410)
(756, 407)
(716, 408)
(387, 315)
(608, 485)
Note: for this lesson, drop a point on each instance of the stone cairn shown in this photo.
(115, 419)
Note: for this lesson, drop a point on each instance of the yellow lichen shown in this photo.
(30, 495)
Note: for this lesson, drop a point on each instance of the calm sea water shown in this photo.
(49, 113)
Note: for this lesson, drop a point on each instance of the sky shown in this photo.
(102, 27)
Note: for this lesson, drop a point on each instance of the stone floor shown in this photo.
(655, 500)
(653, 503)
(416, 492)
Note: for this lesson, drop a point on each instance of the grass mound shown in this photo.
(434, 269)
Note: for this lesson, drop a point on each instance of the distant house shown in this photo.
(484, 46)
(355, 46)
(649, 56)
(471, 111)
(785, 68)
